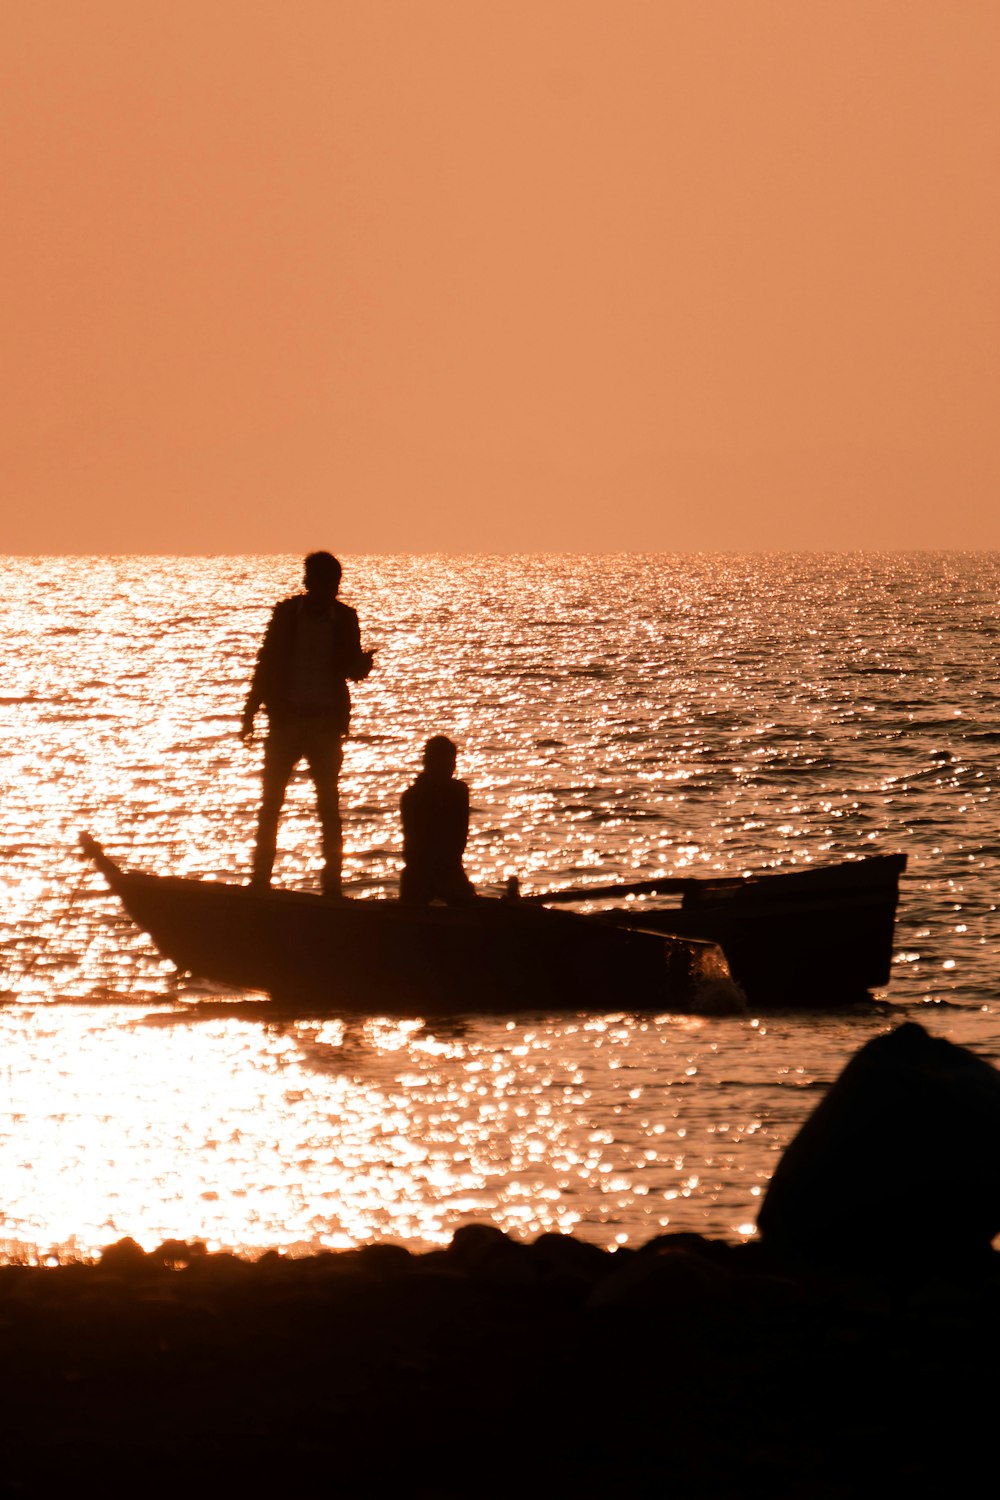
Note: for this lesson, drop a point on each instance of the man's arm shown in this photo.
(261, 671)
(366, 660)
(357, 664)
(461, 816)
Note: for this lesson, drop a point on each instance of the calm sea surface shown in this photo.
(617, 717)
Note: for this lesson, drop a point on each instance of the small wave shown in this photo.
(934, 773)
(102, 995)
(624, 814)
(885, 671)
(211, 1010)
(62, 716)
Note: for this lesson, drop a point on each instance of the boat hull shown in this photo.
(382, 957)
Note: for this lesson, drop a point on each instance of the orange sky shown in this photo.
(387, 275)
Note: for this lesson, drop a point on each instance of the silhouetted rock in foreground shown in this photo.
(898, 1166)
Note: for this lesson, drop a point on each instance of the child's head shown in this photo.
(440, 754)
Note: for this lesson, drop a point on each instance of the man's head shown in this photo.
(440, 754)
(322, 575)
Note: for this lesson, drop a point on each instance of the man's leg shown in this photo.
(281, 752)
(325, 755)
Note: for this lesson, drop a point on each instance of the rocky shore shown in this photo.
(687, 1367)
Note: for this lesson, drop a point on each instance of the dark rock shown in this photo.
(177, 1252)
(669, 1283)
(472, 1243)
(718, 1251)
(219, 1267)
(492, 1257)
(898, 1166)
(386, 1260)
(124, 1257)
(561, 1254)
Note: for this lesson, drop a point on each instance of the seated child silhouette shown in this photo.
(435, 811)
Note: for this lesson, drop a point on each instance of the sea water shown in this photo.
(618, 717)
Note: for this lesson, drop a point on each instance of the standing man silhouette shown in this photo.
(312, 645)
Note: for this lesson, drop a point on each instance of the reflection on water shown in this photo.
(316, 1134)
(624, 716)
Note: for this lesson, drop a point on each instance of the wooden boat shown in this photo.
(383, 957)
(804, 938)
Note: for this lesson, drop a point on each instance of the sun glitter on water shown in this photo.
(629, 716)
